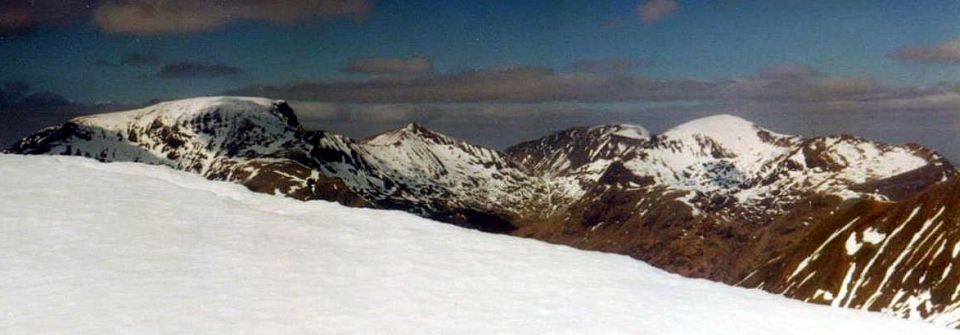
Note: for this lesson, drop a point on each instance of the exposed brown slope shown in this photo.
(895, 257)
(652, 223)
(716, 197)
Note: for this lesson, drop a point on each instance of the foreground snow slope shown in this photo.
(88, 247)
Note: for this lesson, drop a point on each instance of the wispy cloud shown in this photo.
(946, 52)
(20, 16)
(788, 71)
(655, 10)
(608, 66)
(791, 83)
(387, 65)
(158, 17)
(185, 16)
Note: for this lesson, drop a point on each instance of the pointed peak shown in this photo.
(410, 131)
(416, 128)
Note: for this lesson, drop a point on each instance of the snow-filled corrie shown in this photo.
(128, 248)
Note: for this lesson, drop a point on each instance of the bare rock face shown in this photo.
(835, 219)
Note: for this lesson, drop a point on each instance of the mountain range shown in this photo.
(836, 220)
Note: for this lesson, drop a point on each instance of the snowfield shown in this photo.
(89, 247)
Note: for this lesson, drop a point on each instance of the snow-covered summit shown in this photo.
(747, 144)
(714, 125)
(412, 131)
(236, 113)
(198, 106)
(624, 130)
(192, 134)
(453, 171)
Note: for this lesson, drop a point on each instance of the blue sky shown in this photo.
(701, 39)
(362, 66)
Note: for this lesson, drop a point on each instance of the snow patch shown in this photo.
(852, 245)
(873, 236)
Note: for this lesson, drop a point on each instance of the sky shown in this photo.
(497, 72)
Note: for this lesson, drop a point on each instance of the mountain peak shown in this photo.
(731, 133)
(721, 123)
(231, 102)
(182, 133)
(412, 130)
(207, 110)
(624, 130)
(413, 126)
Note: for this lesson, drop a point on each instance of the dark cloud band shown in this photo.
(946, 52)
(533, 84)
(158, 17)
(385, 65)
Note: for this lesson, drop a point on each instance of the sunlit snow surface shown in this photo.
(88, 247)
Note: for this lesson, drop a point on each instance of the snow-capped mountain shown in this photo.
(568, 152)
(253, 141)
(718, 197)
(149, 249)
(259, 143)
(460, 174)
(724, 159)
(714, 196)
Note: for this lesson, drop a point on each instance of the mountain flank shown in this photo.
(835, 220)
